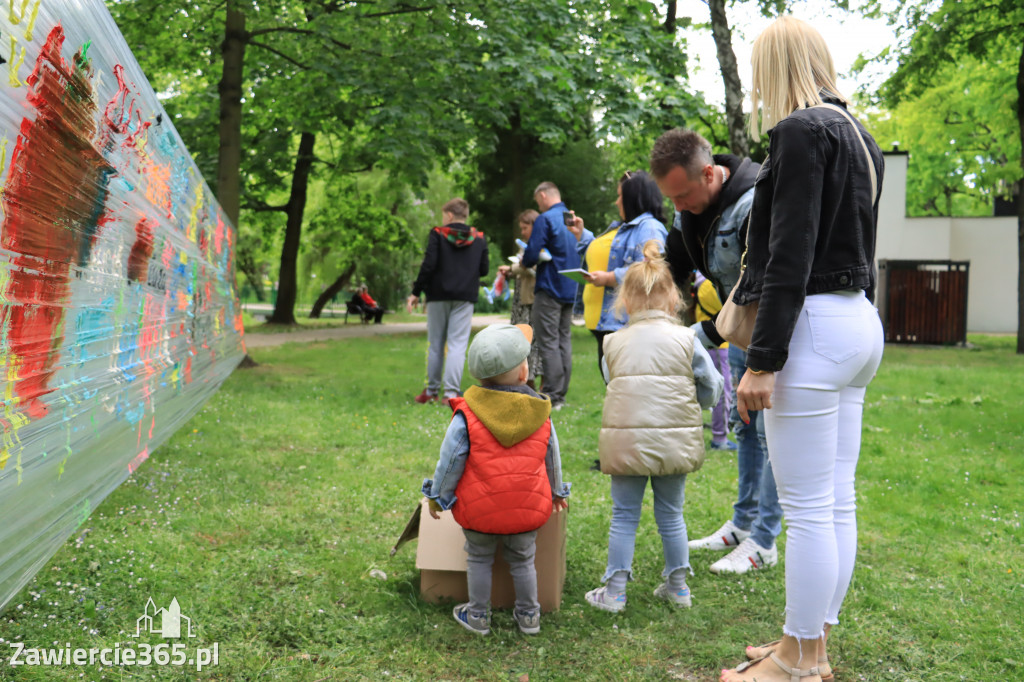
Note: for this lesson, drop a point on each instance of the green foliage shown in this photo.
(955, 99)
(269, 513)
(961, 134)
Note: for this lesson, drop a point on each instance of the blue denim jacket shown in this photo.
(455, 450)
(627, 248)
(550, 232)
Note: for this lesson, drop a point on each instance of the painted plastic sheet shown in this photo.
(118, 314)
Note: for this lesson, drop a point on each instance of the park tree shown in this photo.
(937, 34)
(961, 134)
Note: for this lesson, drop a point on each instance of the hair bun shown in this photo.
(652, 250)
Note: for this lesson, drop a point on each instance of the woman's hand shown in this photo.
(413, 300)
(576, 226)
(754, 393)
(505, 269)
(602, 278)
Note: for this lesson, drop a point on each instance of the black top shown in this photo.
(812, 224)
(452, 267)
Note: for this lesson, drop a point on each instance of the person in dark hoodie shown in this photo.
(455, 260)
(500, 473)
(712, 195)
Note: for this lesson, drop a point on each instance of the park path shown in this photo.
(354, 330)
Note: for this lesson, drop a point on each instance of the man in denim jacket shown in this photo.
(712, 195)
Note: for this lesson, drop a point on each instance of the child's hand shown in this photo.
(435, 508)
(559, 504)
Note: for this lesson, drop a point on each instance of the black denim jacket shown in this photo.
(812, 224)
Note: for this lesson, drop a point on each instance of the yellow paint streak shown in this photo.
(31, 20)
(193, 220)
(16, 62)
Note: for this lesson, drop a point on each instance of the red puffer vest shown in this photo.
(503, 491)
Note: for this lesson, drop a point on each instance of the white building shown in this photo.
(990, 244)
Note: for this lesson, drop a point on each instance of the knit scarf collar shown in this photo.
(457, 236)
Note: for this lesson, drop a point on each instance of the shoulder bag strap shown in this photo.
(863, 146)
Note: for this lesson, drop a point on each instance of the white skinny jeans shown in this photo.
(813, 431)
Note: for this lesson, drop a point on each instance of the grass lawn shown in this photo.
(271, 514)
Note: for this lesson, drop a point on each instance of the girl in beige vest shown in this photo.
(659, 381)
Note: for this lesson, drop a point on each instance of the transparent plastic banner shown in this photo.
(118, 310)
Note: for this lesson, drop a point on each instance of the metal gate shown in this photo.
(923, 301)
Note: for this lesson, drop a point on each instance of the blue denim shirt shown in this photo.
(550, 232)
(724, 248)
(455, 450)
(627, 248)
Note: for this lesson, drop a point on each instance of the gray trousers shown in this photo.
(519, 551)
(552, 328)
(447, 322)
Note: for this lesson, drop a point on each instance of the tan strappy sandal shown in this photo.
(795, 674)
(822, 660)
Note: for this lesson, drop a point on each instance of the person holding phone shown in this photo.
(608, 256)
(554, 293)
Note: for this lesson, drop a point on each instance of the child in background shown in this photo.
(707, 304)
(659, 381)
(500, 473)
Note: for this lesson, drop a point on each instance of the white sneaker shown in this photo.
(726, 537)
(749, 556)
(604, 601)
(680, 597)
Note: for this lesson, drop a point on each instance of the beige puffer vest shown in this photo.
(652, 424)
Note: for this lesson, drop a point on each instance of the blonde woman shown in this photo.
(659, 379)
(817, 341)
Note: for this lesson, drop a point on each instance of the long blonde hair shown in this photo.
(648, 285)
(791, 64)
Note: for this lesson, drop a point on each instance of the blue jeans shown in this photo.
(757, 506)
(627, 503)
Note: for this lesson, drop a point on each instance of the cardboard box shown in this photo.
(442, 561)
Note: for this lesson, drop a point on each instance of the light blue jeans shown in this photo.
(627, 503)
(448, 324)
(757, 506)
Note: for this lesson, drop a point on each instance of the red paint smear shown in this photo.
(142, 250)
(49, 232)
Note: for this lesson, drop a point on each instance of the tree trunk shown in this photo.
(1020, 210)
(332, 291)
(287, 287)
(730, 74)
(670, 18)
(229, 154)
(229, 160)
(253, 277)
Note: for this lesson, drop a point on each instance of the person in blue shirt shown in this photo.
(554, 293)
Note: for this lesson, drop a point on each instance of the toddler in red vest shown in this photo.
(500, 473)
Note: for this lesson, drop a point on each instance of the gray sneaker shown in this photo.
(680, 597)
(529, 624)
(600, 598)
(463, 617)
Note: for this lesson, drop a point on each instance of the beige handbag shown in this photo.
(735, 323)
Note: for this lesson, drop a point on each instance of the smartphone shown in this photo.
(568, 218)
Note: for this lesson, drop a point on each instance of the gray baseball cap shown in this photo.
(498, 348)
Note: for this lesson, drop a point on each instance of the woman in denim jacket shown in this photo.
(817, 339)
(609, 255)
